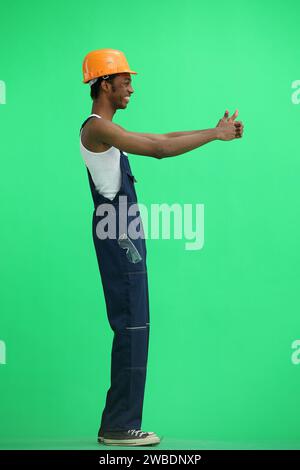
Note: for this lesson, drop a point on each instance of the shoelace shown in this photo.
(135, 432)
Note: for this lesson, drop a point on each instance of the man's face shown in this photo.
(121, 90)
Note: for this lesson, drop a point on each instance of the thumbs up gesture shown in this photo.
(228, 128)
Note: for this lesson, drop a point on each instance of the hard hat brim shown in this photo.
(125, 71)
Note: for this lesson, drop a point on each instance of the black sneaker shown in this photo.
(132, 437)
(100, 435)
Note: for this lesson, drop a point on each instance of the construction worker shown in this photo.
(122, 258)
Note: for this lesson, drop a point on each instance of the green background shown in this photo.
(223, 319)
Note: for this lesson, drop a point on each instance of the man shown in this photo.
(122, 258)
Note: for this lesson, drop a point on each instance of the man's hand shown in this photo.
(228, 128)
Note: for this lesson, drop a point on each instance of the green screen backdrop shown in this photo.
(224, 352)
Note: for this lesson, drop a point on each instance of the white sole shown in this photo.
(132, 442)
(101, 439)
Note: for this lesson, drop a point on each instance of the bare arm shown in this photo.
(161, 145)
(171, 147)
(180, 134)
(105, 131)
(186, 133)
(182, 142)
(169, 134)
(177, 143)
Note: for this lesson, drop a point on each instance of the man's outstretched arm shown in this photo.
(177, 143)
(168, 134)
(179, 133)
(159, 145)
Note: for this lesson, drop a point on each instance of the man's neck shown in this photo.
(105, 111)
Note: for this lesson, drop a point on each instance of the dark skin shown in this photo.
(114, 96)
(110, 99)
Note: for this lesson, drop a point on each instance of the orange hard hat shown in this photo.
(104, 62)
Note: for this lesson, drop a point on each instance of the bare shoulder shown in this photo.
(101, 134)
(90, 134)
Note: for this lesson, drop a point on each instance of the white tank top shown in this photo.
(104, 168)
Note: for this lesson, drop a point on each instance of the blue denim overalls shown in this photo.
(123, 271)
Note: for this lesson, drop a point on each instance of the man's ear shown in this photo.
(106, 85)
(103, 85)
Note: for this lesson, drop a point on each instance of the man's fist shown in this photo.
(228, 128)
